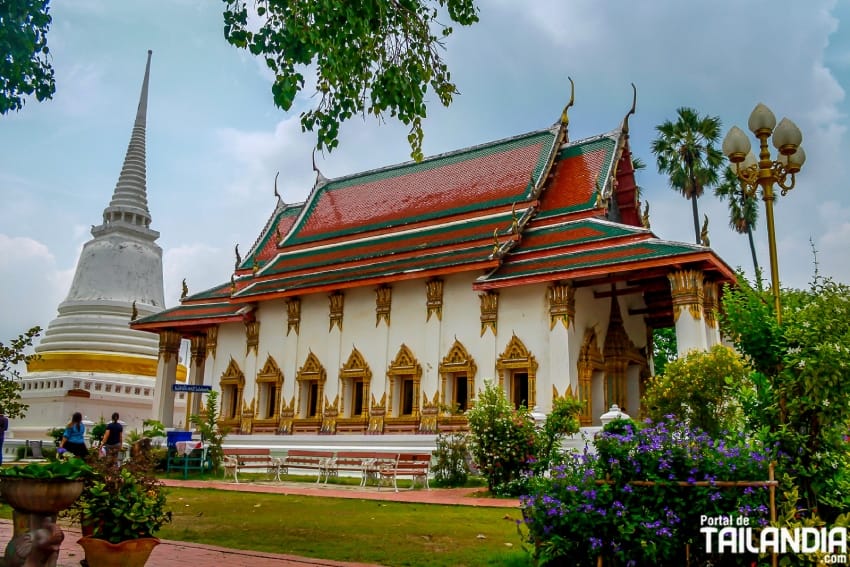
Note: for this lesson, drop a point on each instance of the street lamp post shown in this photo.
(764, 172)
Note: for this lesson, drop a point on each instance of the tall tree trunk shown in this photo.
(696, 217)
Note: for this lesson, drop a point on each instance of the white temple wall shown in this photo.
(462, 321)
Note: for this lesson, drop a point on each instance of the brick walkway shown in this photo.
(176, 553)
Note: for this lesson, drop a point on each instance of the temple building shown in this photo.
(90, 360)
(382, 303)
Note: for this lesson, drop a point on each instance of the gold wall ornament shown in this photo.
(169, 344)
(489, 310)
(329, 416)
(287, 416)
(562, 304)
(383, 304)
(252, 336)
(337, 303)
(212, 340)
(293, 315)
(686, 289)
(377, 413)
(430, 412)
(710, 303)
(246, 419)
(434, 298)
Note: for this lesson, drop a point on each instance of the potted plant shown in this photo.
(38, 492)
(119, 511)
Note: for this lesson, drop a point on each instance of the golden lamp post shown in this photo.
(764, 172)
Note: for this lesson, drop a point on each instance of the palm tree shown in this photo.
(686, 152)
(743, 210)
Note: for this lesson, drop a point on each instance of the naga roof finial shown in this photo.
(565, 118)
(185, 291)
(631, 110)
(276, 194)
(238, 256)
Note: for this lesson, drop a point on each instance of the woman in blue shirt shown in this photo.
(73, 439)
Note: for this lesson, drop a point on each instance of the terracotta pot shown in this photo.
(129, 553)
(46, 496)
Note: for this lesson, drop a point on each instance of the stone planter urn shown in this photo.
(36, 502)
(128, 553)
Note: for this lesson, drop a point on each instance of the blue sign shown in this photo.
(191, 388)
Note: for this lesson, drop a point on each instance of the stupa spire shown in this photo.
(128, 208)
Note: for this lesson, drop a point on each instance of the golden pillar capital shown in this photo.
(562, 304)
(686, 289)
(710, 303)
(199, 349)
(434, 298)
(169, 344)
(489, 311)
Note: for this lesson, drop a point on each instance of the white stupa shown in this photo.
(89, 359)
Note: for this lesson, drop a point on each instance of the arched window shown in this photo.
(405, 374)
(269, 387)
(517, 370)
(457, 373)
(232, 384)
(355, 379)
(311, 388)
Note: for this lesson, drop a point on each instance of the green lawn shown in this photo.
(387, 533)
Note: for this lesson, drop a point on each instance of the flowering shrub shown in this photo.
(502, 442)
(625, 503)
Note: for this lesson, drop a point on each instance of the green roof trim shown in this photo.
(628, 253)
(408, 241)
(287, 211)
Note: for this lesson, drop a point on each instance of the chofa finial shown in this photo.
(631, 110)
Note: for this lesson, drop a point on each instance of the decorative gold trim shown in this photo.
(169, 344)
(329, 416)
(246, 419)
(403, 366)
(434, 298)
(293, 315)
(562, 304)
(620, 353)
(336, 301)
(252, 337)
(430, 411)
(517, 357)
(98, 363)
(458, 361)
(377, 413)
(198, 349)
(287, 416)
(710, 303)
(686, 290)
(212, 340)
(383, 304)
(489, 310)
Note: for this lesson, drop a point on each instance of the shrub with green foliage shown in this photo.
(800, 392)
(503, 440)
(698, 388)
(211, 431)
(450, 460)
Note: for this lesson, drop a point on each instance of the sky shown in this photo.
(215, 140)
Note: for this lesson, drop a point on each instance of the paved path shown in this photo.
(176, 553)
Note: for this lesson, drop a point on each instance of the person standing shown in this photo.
(113, 437)
(73, 439)
(4, 425)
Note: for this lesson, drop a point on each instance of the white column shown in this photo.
(686, 287)
(562, 309)
(196, 373)
(166, 377)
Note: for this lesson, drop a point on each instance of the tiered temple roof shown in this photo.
(527, 209)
